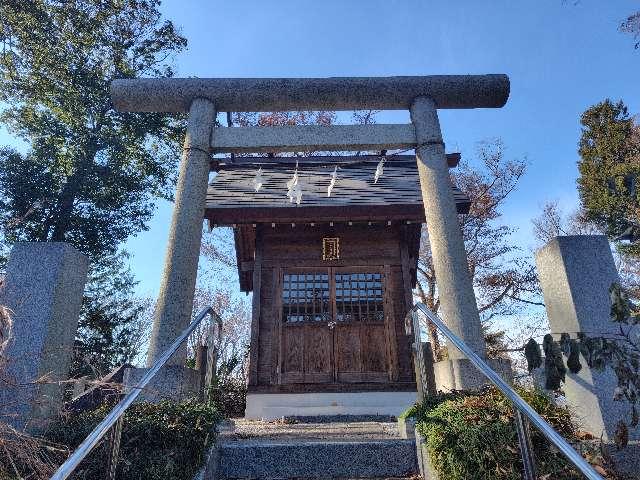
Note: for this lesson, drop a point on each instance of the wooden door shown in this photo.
(332, 326)
(360, 333)
(306, 336)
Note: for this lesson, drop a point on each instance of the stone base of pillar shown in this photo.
(461, 374)
(407, 427)
(172, 382)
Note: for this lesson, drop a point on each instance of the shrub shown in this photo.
(473, 435)
(229, 397)
(165, 441)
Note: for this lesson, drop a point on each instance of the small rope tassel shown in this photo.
(379, 170)
(294, 189)
(334, 177)
(258, 181)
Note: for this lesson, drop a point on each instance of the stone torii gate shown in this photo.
(421, 95)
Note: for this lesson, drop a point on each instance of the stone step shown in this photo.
(239, 430)
(313, 449)
(317, 459)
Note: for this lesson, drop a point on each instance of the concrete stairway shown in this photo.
(313, 449)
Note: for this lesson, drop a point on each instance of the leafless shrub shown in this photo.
(631, 25)
(26, 457)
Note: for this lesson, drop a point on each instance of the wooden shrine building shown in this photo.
(331, 279)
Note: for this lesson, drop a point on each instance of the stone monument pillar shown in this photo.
(44, 288)
(575, 274)
(457, 299)
(175, 301)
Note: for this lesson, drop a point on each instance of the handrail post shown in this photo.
(114, 448)
(526, 448)
(418, 356)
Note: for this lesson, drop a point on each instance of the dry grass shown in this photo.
(25, 457)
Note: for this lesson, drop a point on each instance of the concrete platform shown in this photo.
(272, 406)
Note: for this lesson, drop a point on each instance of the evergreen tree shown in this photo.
(109, 315)
(609, 165)
(92, 174)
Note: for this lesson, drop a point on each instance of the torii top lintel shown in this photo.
(283, 94)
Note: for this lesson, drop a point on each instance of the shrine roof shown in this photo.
(232, 199)
(396, 197)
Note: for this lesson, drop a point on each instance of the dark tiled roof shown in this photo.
(232, 199)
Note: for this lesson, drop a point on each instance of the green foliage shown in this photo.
(419, 410)
(165, 441)
(609, 166)
(533, 355)
(92, 174)
(473, 435)
(229, 396)
(108, 328)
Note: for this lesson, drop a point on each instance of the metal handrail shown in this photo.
(522, 407)
(89, 443)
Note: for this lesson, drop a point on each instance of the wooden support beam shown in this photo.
(309, 138)
(255, 317)
(247, 266)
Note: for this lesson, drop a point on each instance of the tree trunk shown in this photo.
(64, 210)
(69, 193)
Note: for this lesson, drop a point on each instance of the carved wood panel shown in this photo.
(348, 351)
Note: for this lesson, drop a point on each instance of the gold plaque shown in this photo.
(331, 248)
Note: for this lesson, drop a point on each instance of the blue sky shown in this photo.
(561, 57)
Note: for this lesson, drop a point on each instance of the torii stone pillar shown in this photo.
(457, 299)
(175, 301)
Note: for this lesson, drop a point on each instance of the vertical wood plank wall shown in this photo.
(284, 247)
